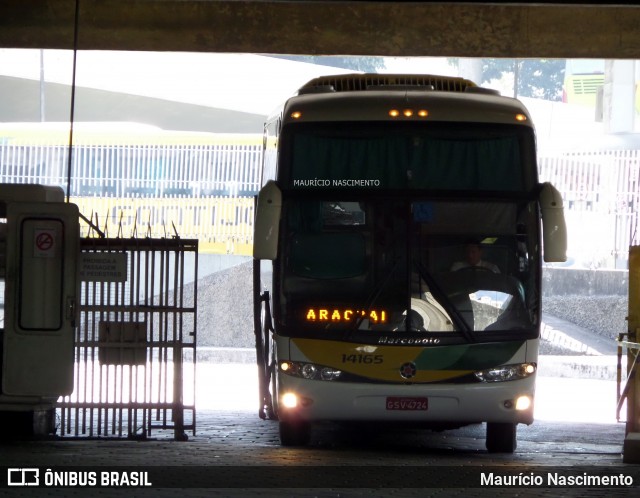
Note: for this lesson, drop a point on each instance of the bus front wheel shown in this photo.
(294, 433)
(501, 437)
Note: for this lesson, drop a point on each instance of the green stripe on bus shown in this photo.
(467, 356)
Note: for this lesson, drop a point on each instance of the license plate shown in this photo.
(406, 403)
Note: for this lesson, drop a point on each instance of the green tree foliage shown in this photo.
(365, 64)
(537, 78)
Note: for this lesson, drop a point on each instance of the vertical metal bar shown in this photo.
(82, 373)
(92, 323)
(198, 171)
(148, 318)
(77, 347)
(619, 374)
(111, 369)
(103, 415)
(162, 340)
(120, 302)
(133, 318)
(88, 323)
(176, 402)
(48, 167)
(194, 339)
(122, 171)
(149, 293)
(161, 335)
(119, 393)
(176, 181)
(165, 331)
(141, 370)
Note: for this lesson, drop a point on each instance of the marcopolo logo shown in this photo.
(408, 370)
(23, 477)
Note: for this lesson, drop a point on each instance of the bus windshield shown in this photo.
(374, 266)
(425, 156)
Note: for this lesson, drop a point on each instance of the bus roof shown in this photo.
(405, 105)
(359, 82)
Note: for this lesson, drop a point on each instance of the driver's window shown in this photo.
(477, 254)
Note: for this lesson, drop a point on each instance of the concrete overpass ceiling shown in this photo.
(462, 29)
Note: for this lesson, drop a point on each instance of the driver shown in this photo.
(473, 259)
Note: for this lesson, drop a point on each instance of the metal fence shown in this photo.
(223, 225)
(135, 347)
(200, 185)
(601, 197)
(110, 163)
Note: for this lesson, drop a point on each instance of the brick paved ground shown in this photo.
(235, 454)
(242, 453)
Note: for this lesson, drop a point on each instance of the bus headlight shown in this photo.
(506, 372)
(309, 371)
(523, 403)
(329, 373)
(289, 400)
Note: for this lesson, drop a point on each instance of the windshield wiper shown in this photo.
(375, 293)
(440, 296)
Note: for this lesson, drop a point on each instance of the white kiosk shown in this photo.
(39, 250)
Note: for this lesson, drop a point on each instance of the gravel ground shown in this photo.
(225, 308)
(225, 311)
(602, 315)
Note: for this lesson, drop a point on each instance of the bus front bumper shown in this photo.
(313, 400)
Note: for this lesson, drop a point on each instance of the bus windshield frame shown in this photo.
(367, 239)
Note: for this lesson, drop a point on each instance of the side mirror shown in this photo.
(267, 222)
(554, 228)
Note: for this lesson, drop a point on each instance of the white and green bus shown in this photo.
(369, 305)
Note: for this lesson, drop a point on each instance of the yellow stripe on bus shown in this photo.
(368, 360)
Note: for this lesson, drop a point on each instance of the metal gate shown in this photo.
(136, 340)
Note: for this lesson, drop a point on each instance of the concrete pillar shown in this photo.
(619, 96)
(631, 447)
(470, 69)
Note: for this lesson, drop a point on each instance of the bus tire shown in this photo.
(501, 437)
(294, 433)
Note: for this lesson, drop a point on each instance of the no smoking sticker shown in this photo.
(44, 243)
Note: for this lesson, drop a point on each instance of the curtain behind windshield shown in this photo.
(326, 158)
(408, 161)
(466, 164)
